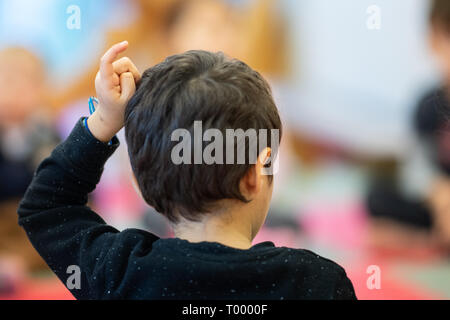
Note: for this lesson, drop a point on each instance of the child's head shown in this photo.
(440, 34)
(252, 31)
(204, 24)
(22, 81)
(222, 94)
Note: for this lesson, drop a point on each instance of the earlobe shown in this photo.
(258, 169)
(249, 183)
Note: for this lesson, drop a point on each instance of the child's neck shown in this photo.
(217, 228)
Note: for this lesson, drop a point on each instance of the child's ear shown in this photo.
(251, 183)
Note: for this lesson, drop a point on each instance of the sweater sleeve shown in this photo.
(69, 235)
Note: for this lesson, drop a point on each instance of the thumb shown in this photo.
(127, 85)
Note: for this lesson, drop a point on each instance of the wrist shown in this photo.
(101, 129)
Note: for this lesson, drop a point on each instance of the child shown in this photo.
(426, 209)
(433, 122)
(216, 210)
(26, 138)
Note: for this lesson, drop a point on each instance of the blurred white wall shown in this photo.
(357, 86)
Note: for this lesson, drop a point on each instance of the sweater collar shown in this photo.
(211, 247)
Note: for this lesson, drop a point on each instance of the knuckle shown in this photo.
(126, 60)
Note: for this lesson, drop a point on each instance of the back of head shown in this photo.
(195, 86)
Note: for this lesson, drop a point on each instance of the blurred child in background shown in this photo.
(25, 129)
(26, 137)
(438, 116)
(420, 198)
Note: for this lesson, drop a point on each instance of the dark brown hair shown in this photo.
(194, 86)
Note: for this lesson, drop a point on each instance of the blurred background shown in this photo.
(362, 89)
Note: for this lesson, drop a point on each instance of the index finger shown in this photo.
(106, 62)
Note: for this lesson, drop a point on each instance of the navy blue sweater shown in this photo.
(135, 264)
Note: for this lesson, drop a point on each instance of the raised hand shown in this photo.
(115, 84)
